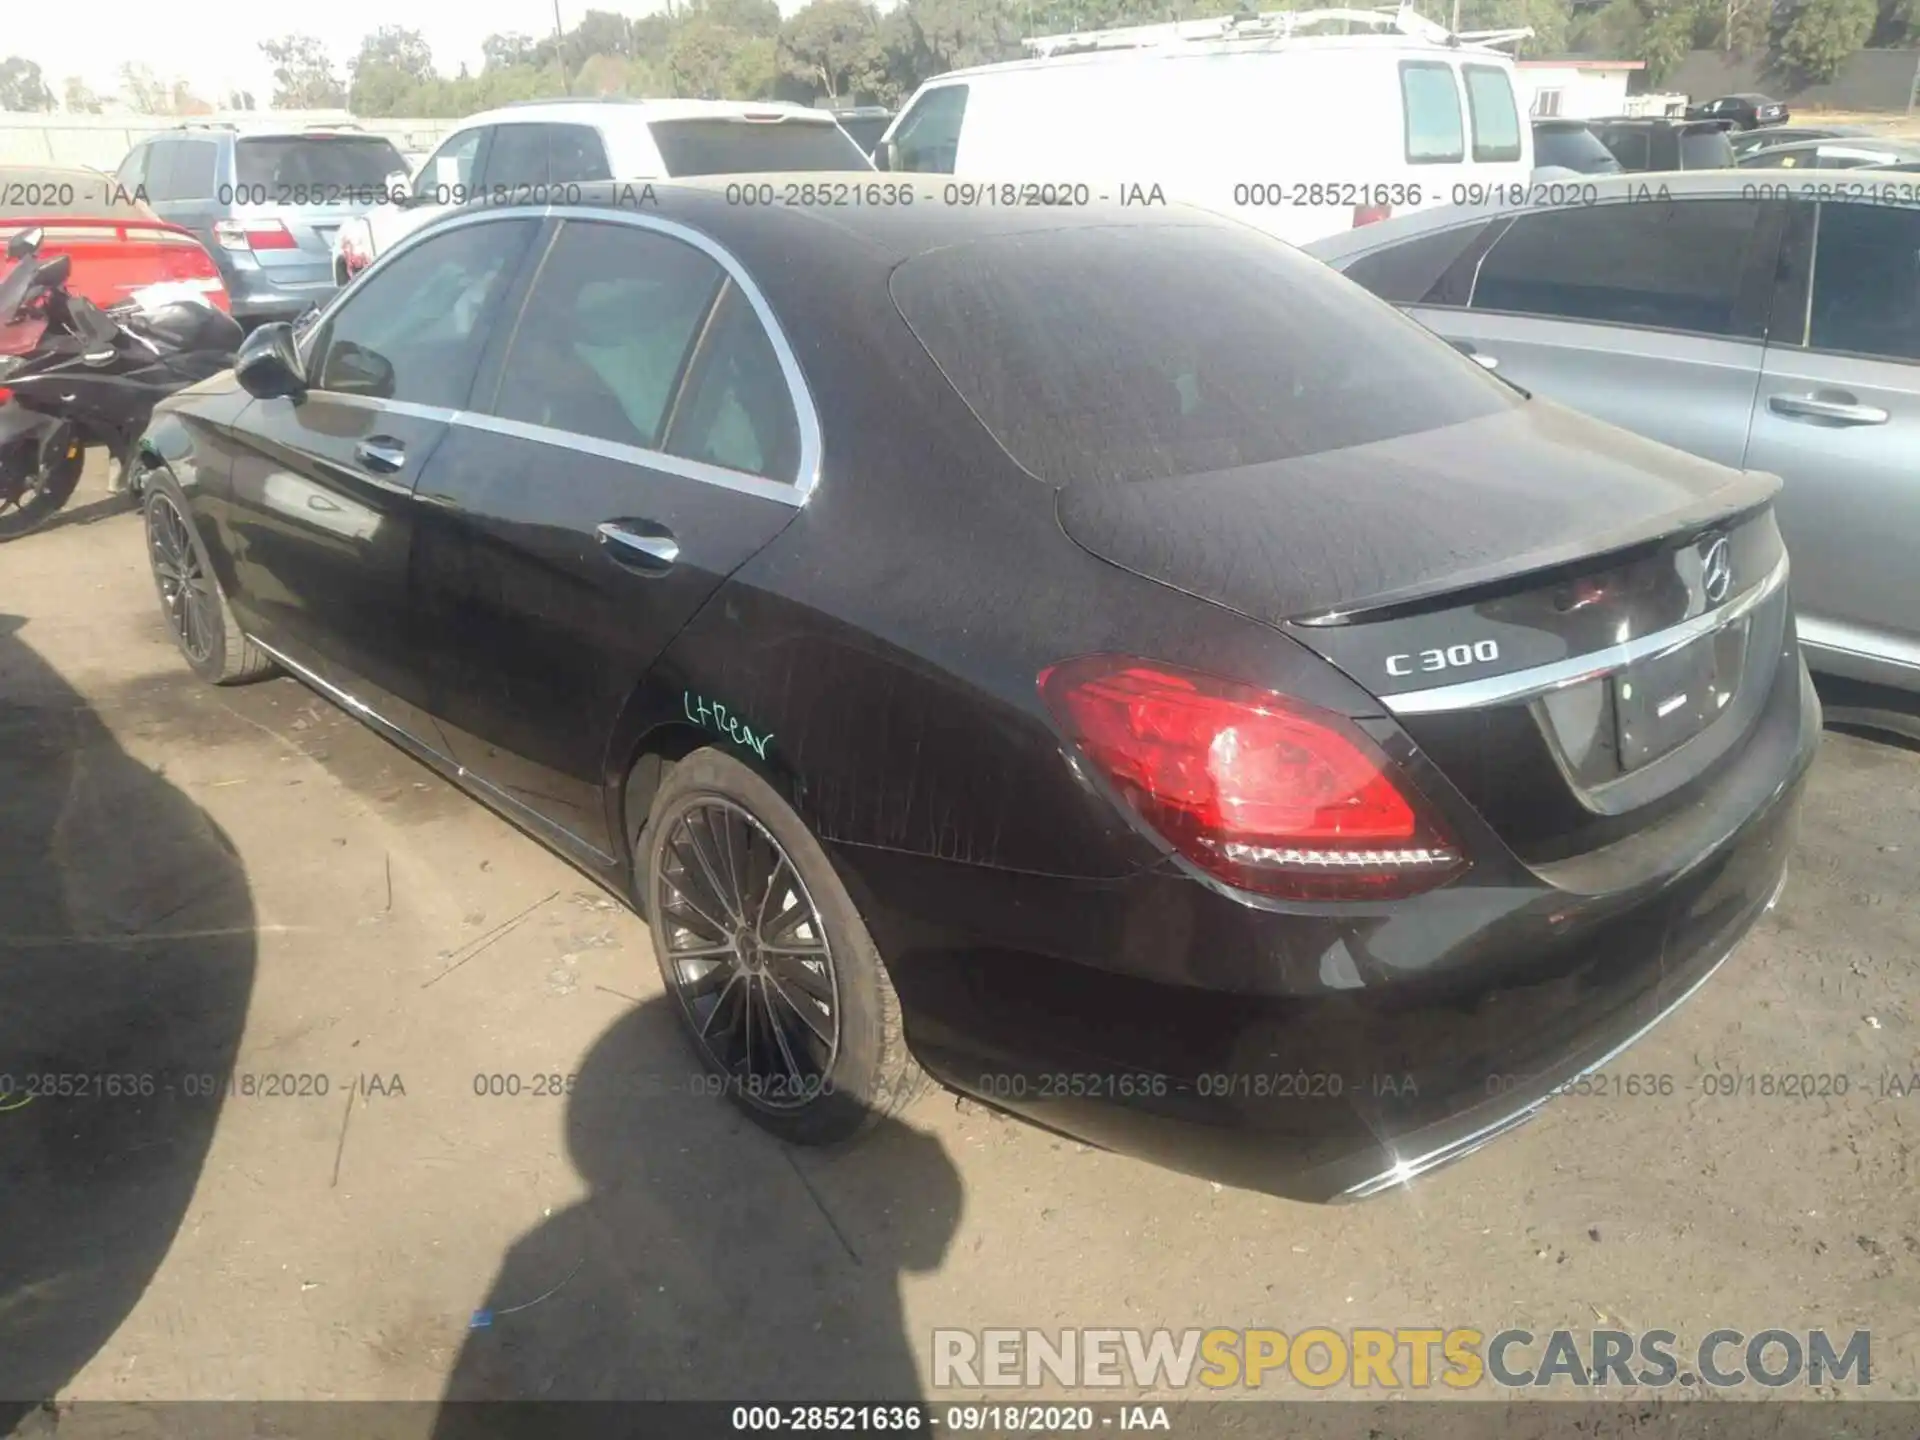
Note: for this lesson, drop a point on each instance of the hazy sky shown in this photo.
(214, 44)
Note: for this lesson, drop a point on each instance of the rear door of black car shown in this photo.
(635, 435)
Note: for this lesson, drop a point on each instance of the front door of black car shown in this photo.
(321, 515)
(633, 438)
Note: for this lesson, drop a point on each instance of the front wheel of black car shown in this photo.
(778, 983)
(195, 611)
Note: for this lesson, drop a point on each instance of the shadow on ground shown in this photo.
(709, 1260)
(127, 952)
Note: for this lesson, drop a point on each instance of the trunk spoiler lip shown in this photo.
(1747, 493)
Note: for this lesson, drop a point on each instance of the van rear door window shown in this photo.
(1496, 120)
(1435, 135)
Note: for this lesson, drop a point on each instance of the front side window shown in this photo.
(575, 155)
(190, 171)
(133, 170)
(446, 176)
(1109, 355)
(1667, 265)
(1432, 102)
(414, 331)
(737, 411)
(928, 140)
(1496, 120)
(603, 339)
(1866, 281)
(518, 156)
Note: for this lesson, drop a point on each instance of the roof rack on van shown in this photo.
(1269, 25)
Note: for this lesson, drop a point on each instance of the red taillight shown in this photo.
(5, 395)
(254, 235)
(1262, 791)
(1371, 214)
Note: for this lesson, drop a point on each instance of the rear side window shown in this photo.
(181, 170)
(1423, 271)
(1668, 265)
(575, 155)
(928, 139)
(1632, 148)
(518, 155)
(745, 147)
(737, 411)
(1432, 104)
(1496, 119)
(271, 168)
(1103, 355)
(603, 337)
(1866, 281)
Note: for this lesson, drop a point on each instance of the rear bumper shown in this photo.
(1317, 1054)
(258, 295)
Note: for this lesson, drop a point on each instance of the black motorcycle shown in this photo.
(81, 376)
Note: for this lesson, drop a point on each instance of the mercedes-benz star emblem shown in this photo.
(1716, 570)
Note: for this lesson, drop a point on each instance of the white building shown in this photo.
(1578, 89)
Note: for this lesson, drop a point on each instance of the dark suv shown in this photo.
(266, 204)
(1571, 145)
(1662, 144)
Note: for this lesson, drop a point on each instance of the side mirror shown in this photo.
(268, 364)
(25, 243)
(883, 155)
(399, 188)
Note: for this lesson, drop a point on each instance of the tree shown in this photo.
(22, 87)
(78, 99)
(143, 90)
(503, 52)
(745, 17)
(393, 63)
(1811, 38)
(303, 74)
(182, 101)
(832, 44)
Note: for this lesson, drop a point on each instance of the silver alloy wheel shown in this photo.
(748, 955)
(186, 590)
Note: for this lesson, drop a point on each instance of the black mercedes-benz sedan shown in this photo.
(1098, 657)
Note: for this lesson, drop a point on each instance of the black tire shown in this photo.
(867, 1072)
(195, 609)
(50, 491)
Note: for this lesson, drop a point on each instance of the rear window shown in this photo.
(1434, 134)
(28, 193)
(1573, 148)
(1109, 354)
(356, 162)
(1705, 150)
(1496, 120)
(744, 147)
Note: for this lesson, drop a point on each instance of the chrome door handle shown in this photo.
(1813, 407)
(633, 547)
(381, 454)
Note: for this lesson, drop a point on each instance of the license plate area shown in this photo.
(1663, 701)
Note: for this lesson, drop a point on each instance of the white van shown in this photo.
(1302, 135)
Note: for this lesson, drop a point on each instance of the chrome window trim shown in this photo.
(806, 415)
(1542, 679)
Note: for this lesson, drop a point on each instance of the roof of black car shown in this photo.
(885, 233)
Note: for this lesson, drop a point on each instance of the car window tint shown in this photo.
(1705, 150)
(414, 331)
(132, 173)
(1496, 119)
(575, 155)
(302, 164)
(1421, 271)
(191, 174)
(1671, 265)
(1866, 281)
(446, 176)
(737, 411)
(1114, 354)
(747, 147)
(928, 140)
(1433, 127)
(601, 342)
(518, 155)
(160, 169)
(1633, 148)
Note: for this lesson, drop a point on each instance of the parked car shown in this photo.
(118, 246)
(865, 124)
(1754, 331)
(1830, 155)
(1048, 645)
(1656, 143)
(1571, 146)
(1746, 142)
(266, 204)
(1747, 112)
(532, 145)
(1296, 134)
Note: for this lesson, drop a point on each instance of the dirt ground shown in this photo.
(198, 884)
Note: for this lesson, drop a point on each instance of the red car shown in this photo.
(119, 246)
